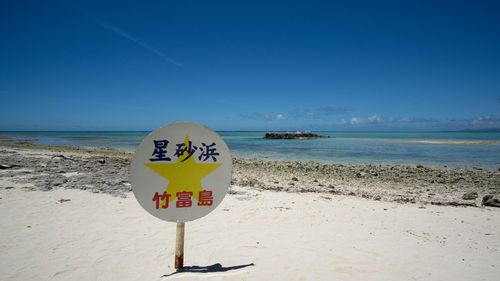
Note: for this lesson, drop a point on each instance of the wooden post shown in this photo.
(179, 246)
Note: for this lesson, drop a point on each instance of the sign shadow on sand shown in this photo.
(208, 269)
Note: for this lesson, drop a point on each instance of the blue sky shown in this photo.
(250, 65)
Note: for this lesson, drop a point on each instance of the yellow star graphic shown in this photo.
(184, 175)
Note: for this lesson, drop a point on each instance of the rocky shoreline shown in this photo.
(36, 167)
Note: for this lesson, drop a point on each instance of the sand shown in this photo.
(68, 214)
(270, 235)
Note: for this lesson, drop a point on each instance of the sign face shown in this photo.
(181, 172)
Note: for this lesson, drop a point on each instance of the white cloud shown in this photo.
(356, 120)
(322, 112)
(263, 116)
(306, 113)
(483, 121)
(375, 119)
(341, 122)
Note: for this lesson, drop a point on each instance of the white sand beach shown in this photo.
(68, 214)
(79, 235)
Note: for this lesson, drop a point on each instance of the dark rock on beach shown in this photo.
(490, 201)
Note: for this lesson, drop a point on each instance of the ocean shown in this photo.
(377, 148)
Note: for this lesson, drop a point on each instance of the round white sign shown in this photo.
(181, 172)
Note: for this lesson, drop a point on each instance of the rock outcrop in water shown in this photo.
(293, 135)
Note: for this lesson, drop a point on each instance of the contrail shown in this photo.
(140, 43)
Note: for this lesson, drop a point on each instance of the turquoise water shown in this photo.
(384, 148)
